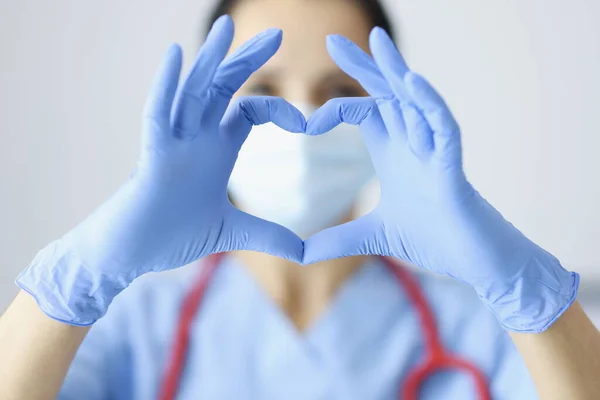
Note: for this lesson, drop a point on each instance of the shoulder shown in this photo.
(456, 304)
(462, 318)
(150, 304)
(467, 327)
(138, 327)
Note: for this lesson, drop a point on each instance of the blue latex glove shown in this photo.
(429, 214)
(174, 209)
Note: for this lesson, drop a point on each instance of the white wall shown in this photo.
(521, 77)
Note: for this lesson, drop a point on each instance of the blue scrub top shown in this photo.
(244, 346)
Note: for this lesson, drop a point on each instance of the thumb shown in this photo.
(364, 236)
(243, 231)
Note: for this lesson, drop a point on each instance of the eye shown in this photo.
(332, 90)
(344, 91)
(261, 89)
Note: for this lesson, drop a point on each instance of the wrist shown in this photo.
(65, 289)
(542, 291)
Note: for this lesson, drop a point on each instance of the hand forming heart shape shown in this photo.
(175, 208)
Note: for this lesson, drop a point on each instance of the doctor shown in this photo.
(285, 304)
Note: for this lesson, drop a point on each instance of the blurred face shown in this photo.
(301, 71)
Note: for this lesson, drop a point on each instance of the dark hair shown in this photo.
(372, 8)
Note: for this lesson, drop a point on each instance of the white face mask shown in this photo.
(305, 183)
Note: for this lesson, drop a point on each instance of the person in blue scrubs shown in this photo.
(299, 306)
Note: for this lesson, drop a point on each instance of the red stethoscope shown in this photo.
(437, 357)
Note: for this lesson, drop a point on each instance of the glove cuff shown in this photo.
(65, 289)
(543, 291)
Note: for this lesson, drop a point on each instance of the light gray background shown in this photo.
(521, 76)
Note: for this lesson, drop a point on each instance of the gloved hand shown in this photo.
(174, 209)
(429, 214)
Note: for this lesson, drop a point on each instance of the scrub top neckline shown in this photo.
(369, 290)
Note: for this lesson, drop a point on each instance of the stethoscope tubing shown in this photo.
(437, 357)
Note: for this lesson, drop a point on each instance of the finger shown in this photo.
(191, 99)
(246, 112)
(237, 68)
(390, 61)
(364, 236)
(361, 111)
(391, 111)
(351, 110)
(393, 68)
(446, 133)
(157, 111)
(359, 65)
(420, 135)
(247, 232)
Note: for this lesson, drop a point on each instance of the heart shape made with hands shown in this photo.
(414, 144)
(194, 133)
(265, 182)
(304, 182)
